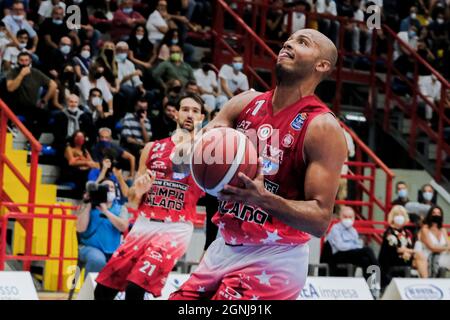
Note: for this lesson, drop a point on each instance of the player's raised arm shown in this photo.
(324, 152)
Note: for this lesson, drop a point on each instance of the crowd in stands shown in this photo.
(107, 88)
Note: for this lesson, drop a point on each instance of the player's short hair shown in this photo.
(194, 97)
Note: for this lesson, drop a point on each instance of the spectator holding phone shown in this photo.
(100, 227)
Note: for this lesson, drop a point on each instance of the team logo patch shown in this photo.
(270, 167)
(159, 165)
(287, 141)
(265, 131)
(179, 175)
(299, 120)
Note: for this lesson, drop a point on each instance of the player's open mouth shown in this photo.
(286, 54)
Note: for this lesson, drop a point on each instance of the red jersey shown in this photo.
(280, 139)
(173, 196)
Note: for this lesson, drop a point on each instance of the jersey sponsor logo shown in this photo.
(156, 255)
(243, 212)
(179, 175)
(299, 120)
(230, 294)
(158, 165)
(288, 140)
(271, 186)
(167, 194)
(243, 125)
(264, 131)
(156, 155)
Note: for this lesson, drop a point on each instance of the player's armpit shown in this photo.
(132, 196)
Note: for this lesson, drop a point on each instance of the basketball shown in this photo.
(219, 156)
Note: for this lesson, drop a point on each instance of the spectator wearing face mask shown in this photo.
(141, 49)
(411, 20)
(433, 241)
(232, 80)
(402, 194)
(131, 85)
(99, 109)
(70, 120)
(12, 52)
(124, 20)
(46, 8)
(6, 41)
(78, 162)
(439, 34)
(174, 68)
(105, 146)
(60, 58)
(427, 195)
(397, 247)
(209, 89)
(51, 31)
(136, 131)
(16, 20)
(346, 245)
(100, 229)
(95, 79)
(107, 59)
(82, 62)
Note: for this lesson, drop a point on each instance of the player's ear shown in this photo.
(323, 66)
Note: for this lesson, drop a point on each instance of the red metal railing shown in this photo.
(258, 54)
(30, 185)
(28, 257)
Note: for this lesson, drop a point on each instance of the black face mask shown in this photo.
(176, 89)
(109, 53)
(205, 67)
(436, 219)
(98, 75)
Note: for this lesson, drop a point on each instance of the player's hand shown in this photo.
(252, 193)
(143, 184)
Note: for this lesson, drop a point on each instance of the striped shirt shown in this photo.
(132, 127)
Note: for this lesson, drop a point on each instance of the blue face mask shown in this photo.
(121, 57)
(65, 49)
(238, 66)
(427, 196)
(174, 41)
(127, 10)
(403, 193)
(412, 34)
(57, 21)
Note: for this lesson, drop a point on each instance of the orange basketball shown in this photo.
(219, 155)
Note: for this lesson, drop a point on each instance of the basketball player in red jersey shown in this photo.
(166, 204)
(262, 251)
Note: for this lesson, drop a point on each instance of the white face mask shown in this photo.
(86, 54)
(440, 20)
(22, 46)
(413, 15)
(347, 222)
(96, 101)
(139, 37)
(111, 196)
(399, 220)
(2, 34)
(18, 18)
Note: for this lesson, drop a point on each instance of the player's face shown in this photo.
(190, 114)
(298, 55)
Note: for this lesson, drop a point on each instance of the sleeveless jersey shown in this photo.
(173, 196)
(280, 140)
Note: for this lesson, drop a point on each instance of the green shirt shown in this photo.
(28, 93)
(167, 70)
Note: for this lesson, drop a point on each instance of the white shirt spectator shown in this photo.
(85, 86)
(13, 26)
(206, 81)
(298, 21)
(126, 68)
(403, 35)
(235, 81)
(154, 21)
(11, 54)
(350, 151)
(46, 8)
(4, 41)
(322, 7)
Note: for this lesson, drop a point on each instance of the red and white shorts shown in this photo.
(247, 273)
(147, 255)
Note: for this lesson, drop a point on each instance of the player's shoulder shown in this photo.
(325, 123)
(325, 133)
(244, 98)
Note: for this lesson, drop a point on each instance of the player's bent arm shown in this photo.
(325, 151)
(134, 198)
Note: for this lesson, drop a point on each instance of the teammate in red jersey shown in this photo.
(262, 252)
(166, 204)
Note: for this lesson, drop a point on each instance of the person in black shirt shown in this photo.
(165, 123)
(141, 53)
